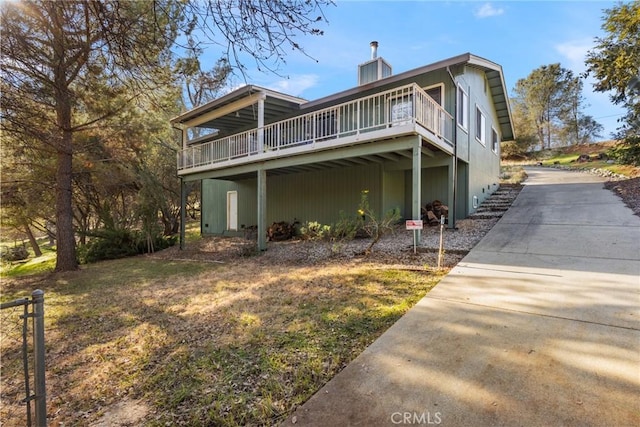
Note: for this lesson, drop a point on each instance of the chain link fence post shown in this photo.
(39, 358)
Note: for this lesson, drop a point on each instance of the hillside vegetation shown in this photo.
(589, 156)
(583, 156)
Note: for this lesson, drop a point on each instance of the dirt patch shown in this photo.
(125, 413)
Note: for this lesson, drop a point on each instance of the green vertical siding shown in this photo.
(462, 205)
(434, 186)
(312, 196)
(321, 195)
(393, 183)
(214, 205)
(484, 164)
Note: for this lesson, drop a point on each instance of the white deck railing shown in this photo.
(400, 106)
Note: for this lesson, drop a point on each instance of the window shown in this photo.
(494, 140)
(463, 109)
(435, 92)
(401, 110)
(480, 126)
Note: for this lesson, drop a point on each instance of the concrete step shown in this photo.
(492, 208)
(486, 215)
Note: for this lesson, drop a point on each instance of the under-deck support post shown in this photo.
(262, 210)
(416, 202)
(451, 194)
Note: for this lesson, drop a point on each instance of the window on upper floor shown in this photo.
(495, 141)
(401, 110)
(436, 93)
(481, 126)
(463, 109)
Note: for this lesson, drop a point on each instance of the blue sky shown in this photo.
(519, 35)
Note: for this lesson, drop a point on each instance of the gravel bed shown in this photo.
(393, 248)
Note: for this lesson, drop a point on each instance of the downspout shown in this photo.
(452, 218)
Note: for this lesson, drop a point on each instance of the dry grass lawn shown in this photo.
(156, 342)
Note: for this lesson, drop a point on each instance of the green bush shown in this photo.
(120, 243)
(312, 230)
(17, 253)
(627, 151)
(346, 228)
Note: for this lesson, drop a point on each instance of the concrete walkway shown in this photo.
(539, 325)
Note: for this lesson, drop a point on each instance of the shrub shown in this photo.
(17, 253)
(120, 243)
(346, 228)
(627, 151)
(374, 226)
(312, 230)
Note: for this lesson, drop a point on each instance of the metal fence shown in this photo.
(22, 362)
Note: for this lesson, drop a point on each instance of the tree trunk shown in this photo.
(66, 241)
(66, 248)
(32, 240)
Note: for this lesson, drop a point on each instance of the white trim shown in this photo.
(224, 110)
(232, 210)
(462, 122)
(483, 126)
(495, 147)
(442, 97)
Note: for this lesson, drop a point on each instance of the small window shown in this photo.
(463, 109)
(494, 141)
(480, 126)
(436, 93)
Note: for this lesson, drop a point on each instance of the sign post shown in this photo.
(441, 241)
(415, 225)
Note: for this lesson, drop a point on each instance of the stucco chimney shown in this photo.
(374, 49)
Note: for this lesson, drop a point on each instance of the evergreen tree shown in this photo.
(615, 64)
(549, 102)
(68, 67)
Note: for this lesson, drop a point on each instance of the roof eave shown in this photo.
(229, 97)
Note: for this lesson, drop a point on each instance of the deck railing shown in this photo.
(400, 106)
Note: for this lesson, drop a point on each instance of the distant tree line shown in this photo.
(548, 109)
(548, 106)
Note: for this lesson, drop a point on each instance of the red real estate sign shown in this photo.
(414, 224)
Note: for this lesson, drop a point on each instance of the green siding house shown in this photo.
(429, 133)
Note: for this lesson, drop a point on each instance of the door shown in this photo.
(232, 210)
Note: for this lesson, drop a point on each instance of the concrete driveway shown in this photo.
(538, 326)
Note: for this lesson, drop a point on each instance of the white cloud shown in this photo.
(575, 52)
(487, 10)
(294, 85)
